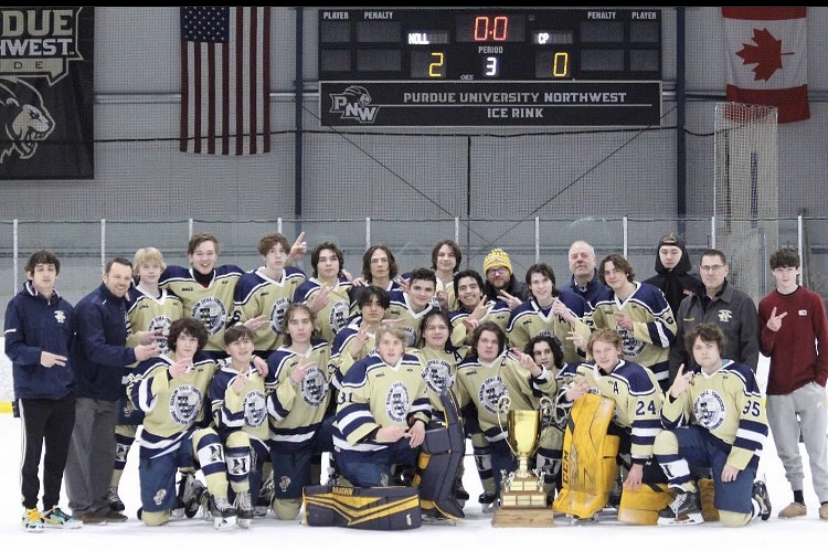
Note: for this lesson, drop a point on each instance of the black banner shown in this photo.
(46, 93)
(475, 103)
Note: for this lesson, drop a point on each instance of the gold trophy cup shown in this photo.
(522, 499)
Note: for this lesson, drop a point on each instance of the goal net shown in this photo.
(745, 189)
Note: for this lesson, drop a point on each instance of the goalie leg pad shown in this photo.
(589, 458)
(380, 508)
(642, 505)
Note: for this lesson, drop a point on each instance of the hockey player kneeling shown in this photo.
(615, 406)
(172, 396)
(715, 419)
(382, 414)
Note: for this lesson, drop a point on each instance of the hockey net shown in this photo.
(746, 192)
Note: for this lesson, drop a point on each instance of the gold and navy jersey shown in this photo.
(440, 367)
(146, 313)
(342, 357)
(654, 330)
(245, 411)
(171, 406)
(257, 295)
(637, 398)
(296, 410)
(212, 305)
(728, 404)
(374, 395)
(498, 312)
(400, 309)
(334, 315)
(530, 320)
(483, 385)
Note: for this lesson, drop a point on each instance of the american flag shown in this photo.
(225, 80)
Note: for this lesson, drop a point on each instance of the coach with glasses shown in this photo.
(724, 305)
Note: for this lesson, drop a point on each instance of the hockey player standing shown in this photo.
(639, 313)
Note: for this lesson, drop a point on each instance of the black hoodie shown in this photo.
(678, 283)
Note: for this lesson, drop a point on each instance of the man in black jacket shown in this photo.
(673, 277)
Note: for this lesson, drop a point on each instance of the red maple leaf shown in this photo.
(766, 54)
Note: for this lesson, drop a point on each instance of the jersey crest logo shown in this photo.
(438, 375)
(211, 312)
(60, 316)
(725, 316)
(314, 387)
(185, 404)
(255, 410)
(163, 323)
(629, 345)
(277, 314)
(338, 317)
(709, 409)
(396, 402)
(490, 392)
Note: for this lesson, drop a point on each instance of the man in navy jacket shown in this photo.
(39, 332)
(101, 357)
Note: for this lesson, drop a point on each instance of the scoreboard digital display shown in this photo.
(490, 67)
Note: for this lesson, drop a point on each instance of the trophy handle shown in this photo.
(504, 403)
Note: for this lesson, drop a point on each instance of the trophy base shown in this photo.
(523, 517)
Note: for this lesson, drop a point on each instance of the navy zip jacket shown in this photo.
(101, 355)
(34, 324)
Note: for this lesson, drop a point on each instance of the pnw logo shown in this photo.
(354, 103)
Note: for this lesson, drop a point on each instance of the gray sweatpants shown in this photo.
(91, 457)
(809, 403)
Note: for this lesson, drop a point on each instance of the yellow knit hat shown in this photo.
(497, 257)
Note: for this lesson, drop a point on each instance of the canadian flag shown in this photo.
(767, 55)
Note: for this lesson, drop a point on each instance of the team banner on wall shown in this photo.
(46, 93)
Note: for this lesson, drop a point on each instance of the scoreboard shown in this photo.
(490, 67)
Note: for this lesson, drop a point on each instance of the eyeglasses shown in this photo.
(499, 271)
(713, 268)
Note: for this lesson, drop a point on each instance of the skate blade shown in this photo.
(692, 519)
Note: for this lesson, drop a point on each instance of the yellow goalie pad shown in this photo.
(642, 505)
(588, 468)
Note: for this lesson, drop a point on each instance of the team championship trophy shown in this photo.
(522, 500)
